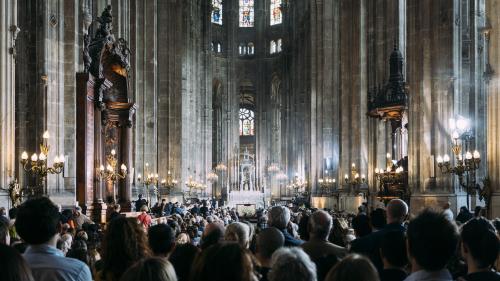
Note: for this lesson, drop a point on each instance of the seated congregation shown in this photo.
(40, 242)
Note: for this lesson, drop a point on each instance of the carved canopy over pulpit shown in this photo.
(105, 117)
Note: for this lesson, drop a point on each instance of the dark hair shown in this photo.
(124, 243)
(479, 236)
(361, 225)
(13, 213)
(478, 211)
(37, 220)
(157, 269)
(161, 239)
(4, 232)
(353, 268)
(182, 258)
(393, 248)
(222, 262)
(432, 240)
(378, 218)
(12, 265)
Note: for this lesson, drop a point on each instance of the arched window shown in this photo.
(212, 46)
(279, 46)
(251, 49)
(276, 15)
(219, 48)
(246, 13)
(217, 12)
(241, 50)
(247, 122)
(272, 47)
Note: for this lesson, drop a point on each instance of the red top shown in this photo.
(144, 219)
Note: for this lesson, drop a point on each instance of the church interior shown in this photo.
(251, 103)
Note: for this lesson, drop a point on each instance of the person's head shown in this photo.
(161, 239)
(353, 268)
(378, 218)
(279, 217)
(12, 265)
(13, 213)
(3, 212)
(361, 225)
(431, 240)
(320, 225)
(464, 209)
(213, 234)
(222, 262)
(393, 249)
(291, 264)
(4, 233)
(237, 232)
(144, 209)
(150, 269)
(38, 221)
(479, 243)
(140, 196)
(397, 210)
(124, 243)
(182, 258)
(117, 208)
(478, 211)
(446, 205)
(268, 241)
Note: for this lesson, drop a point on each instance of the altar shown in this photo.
(246, 197)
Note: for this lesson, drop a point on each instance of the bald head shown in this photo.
(268, 241)
(320, 225)
(397, 210)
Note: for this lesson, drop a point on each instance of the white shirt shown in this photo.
(448, 214)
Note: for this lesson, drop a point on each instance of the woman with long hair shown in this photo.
(124, 244)
(150, 269)
(223, 262)
(12, 265)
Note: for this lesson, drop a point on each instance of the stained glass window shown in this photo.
(272, 47)
(246, 13)
(247, 122)
(276, 15)
(217, 11)
(251, 48)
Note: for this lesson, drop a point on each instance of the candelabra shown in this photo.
(273, 168)
(327, 184)
(194, 185)
(38, 167)
(151, 179)
(393, 175)
(168, 183)
(221, 167)
(466, 162)
(298, 186)
(110, 173)
(355, 179)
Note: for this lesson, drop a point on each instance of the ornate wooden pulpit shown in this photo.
(105, 117)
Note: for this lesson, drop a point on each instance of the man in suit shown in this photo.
(397, 211)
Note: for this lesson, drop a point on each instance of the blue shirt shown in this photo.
(49, 264)
(424, 275)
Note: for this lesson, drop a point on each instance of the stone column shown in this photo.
(493, 105)
(9, 31)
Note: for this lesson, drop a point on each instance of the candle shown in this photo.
(46, 135)
(113, 152)
(24, 155)
(42, 156)
(476, 154)
(388, 156)
(101, 168)
(123, 167)
(446, 158)
(34, 157)
(439, 159)
(62, 158)
(468, 155)
(56, 160)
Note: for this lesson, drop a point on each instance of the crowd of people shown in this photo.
(203, 242)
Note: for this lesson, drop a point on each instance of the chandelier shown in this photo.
(354, 179)
(212, 177)
(221, 167)
(194, 186)
(298, 186)
(327, 184)
(110, 173)
(466, 162)
(37, 166)
(273, 168)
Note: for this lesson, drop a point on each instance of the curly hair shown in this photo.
(124, 244)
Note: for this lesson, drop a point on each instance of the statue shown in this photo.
(87, 60)
(14, 193)
(247, 175)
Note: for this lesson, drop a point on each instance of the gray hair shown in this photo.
(279, 217)
(320, 224)
(292, 264)
(238, 232)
